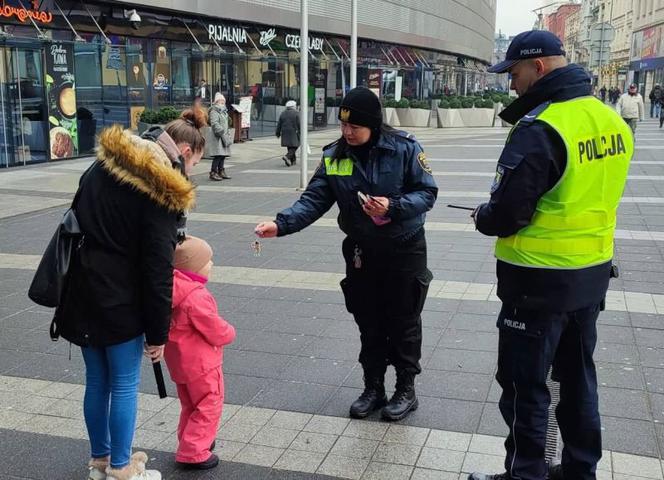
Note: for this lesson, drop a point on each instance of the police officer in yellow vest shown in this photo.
(380, 179)
(553, 207)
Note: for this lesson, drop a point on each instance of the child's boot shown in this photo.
(134, 471)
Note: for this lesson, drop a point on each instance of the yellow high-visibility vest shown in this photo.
(574, 222)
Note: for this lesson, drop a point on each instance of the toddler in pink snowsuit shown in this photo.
(194, 354)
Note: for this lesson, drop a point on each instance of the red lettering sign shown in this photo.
(22, 14)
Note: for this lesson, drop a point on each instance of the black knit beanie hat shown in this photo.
(361, 106)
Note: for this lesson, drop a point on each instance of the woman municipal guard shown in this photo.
(383, 186)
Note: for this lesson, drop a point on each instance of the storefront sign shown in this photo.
(319, 81)
(267, 36)
(315, 43)
(61, 95)
(375, 80)
(224, 33)
(245, 108)
(23, 14)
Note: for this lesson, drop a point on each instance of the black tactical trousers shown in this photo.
(530, 343)
(385, 290)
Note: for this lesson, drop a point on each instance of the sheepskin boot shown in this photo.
(134, 471)
(97, 468)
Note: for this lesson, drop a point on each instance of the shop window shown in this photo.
(114, 81)
(159, 53)
(181, 74)
(138, 73)
(89, 93)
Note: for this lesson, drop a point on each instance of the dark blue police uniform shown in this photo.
(557, 309)
(386, 265)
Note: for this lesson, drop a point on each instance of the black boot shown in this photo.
(222, 174)
(404, 400)
(556, 472)
(372, 398)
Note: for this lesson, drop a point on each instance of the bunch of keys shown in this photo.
(256, 247)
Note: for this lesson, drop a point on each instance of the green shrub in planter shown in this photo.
(487, 104)
(507, 101)
(403, 103)
(478, 103)
(496, 98)
(467, 102)
(456, 103)
(444, 103)
(420, 104)
(390, 103)
(148, 116)
(167, 114)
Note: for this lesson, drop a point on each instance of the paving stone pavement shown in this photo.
(292, 371)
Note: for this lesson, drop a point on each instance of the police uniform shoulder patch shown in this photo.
(424, 163)
(500, 173)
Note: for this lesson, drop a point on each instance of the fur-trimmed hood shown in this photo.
(144, 165)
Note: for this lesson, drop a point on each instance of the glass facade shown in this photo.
(114, 76)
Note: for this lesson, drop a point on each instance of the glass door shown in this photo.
(25, 107)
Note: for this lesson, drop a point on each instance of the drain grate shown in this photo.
(554, 442)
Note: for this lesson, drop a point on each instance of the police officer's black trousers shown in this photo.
(385, 290)
(530, 343)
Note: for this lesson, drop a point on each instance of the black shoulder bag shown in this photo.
(50, 278)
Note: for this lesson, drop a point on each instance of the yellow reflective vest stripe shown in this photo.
(342, 167)
(574, 222)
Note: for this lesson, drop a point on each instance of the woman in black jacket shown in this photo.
(118, 301)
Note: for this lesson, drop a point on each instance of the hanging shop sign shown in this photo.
(61, 95)
(22, 14)
(226, 33)
(319, 84)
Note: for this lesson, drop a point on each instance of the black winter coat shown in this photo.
(121, 283)
(288, 128)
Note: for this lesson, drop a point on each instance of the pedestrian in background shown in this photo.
(194, 355)
(630, 107)
(288, 129)
(553, 210)
(602, 93)
(655, 96)
(381, 181)
(219, 147)
(118, 300)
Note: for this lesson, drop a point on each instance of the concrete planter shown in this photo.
(390, 117)
(477, 117)
(449, 118)
(413, 117)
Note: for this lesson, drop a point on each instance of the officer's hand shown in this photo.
(266, 229)
(376, 206)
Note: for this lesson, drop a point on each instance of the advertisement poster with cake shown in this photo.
(61, 96)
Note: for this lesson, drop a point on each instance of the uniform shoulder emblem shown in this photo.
(424, 163)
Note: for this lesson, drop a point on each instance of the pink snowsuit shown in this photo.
(194, 356)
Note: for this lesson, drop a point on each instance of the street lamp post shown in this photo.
(353, 43)
(304, 92)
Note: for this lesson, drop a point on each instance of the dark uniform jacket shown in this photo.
(122, 278)
(395, 168)
(531, 163)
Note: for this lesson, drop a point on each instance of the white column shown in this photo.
(304, 93)
(353, 44)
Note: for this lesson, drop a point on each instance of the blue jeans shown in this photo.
(112, 375)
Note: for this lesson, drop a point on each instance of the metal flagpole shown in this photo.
(304, 92)
(353, 44)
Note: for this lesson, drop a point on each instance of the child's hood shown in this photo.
(182, 287)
